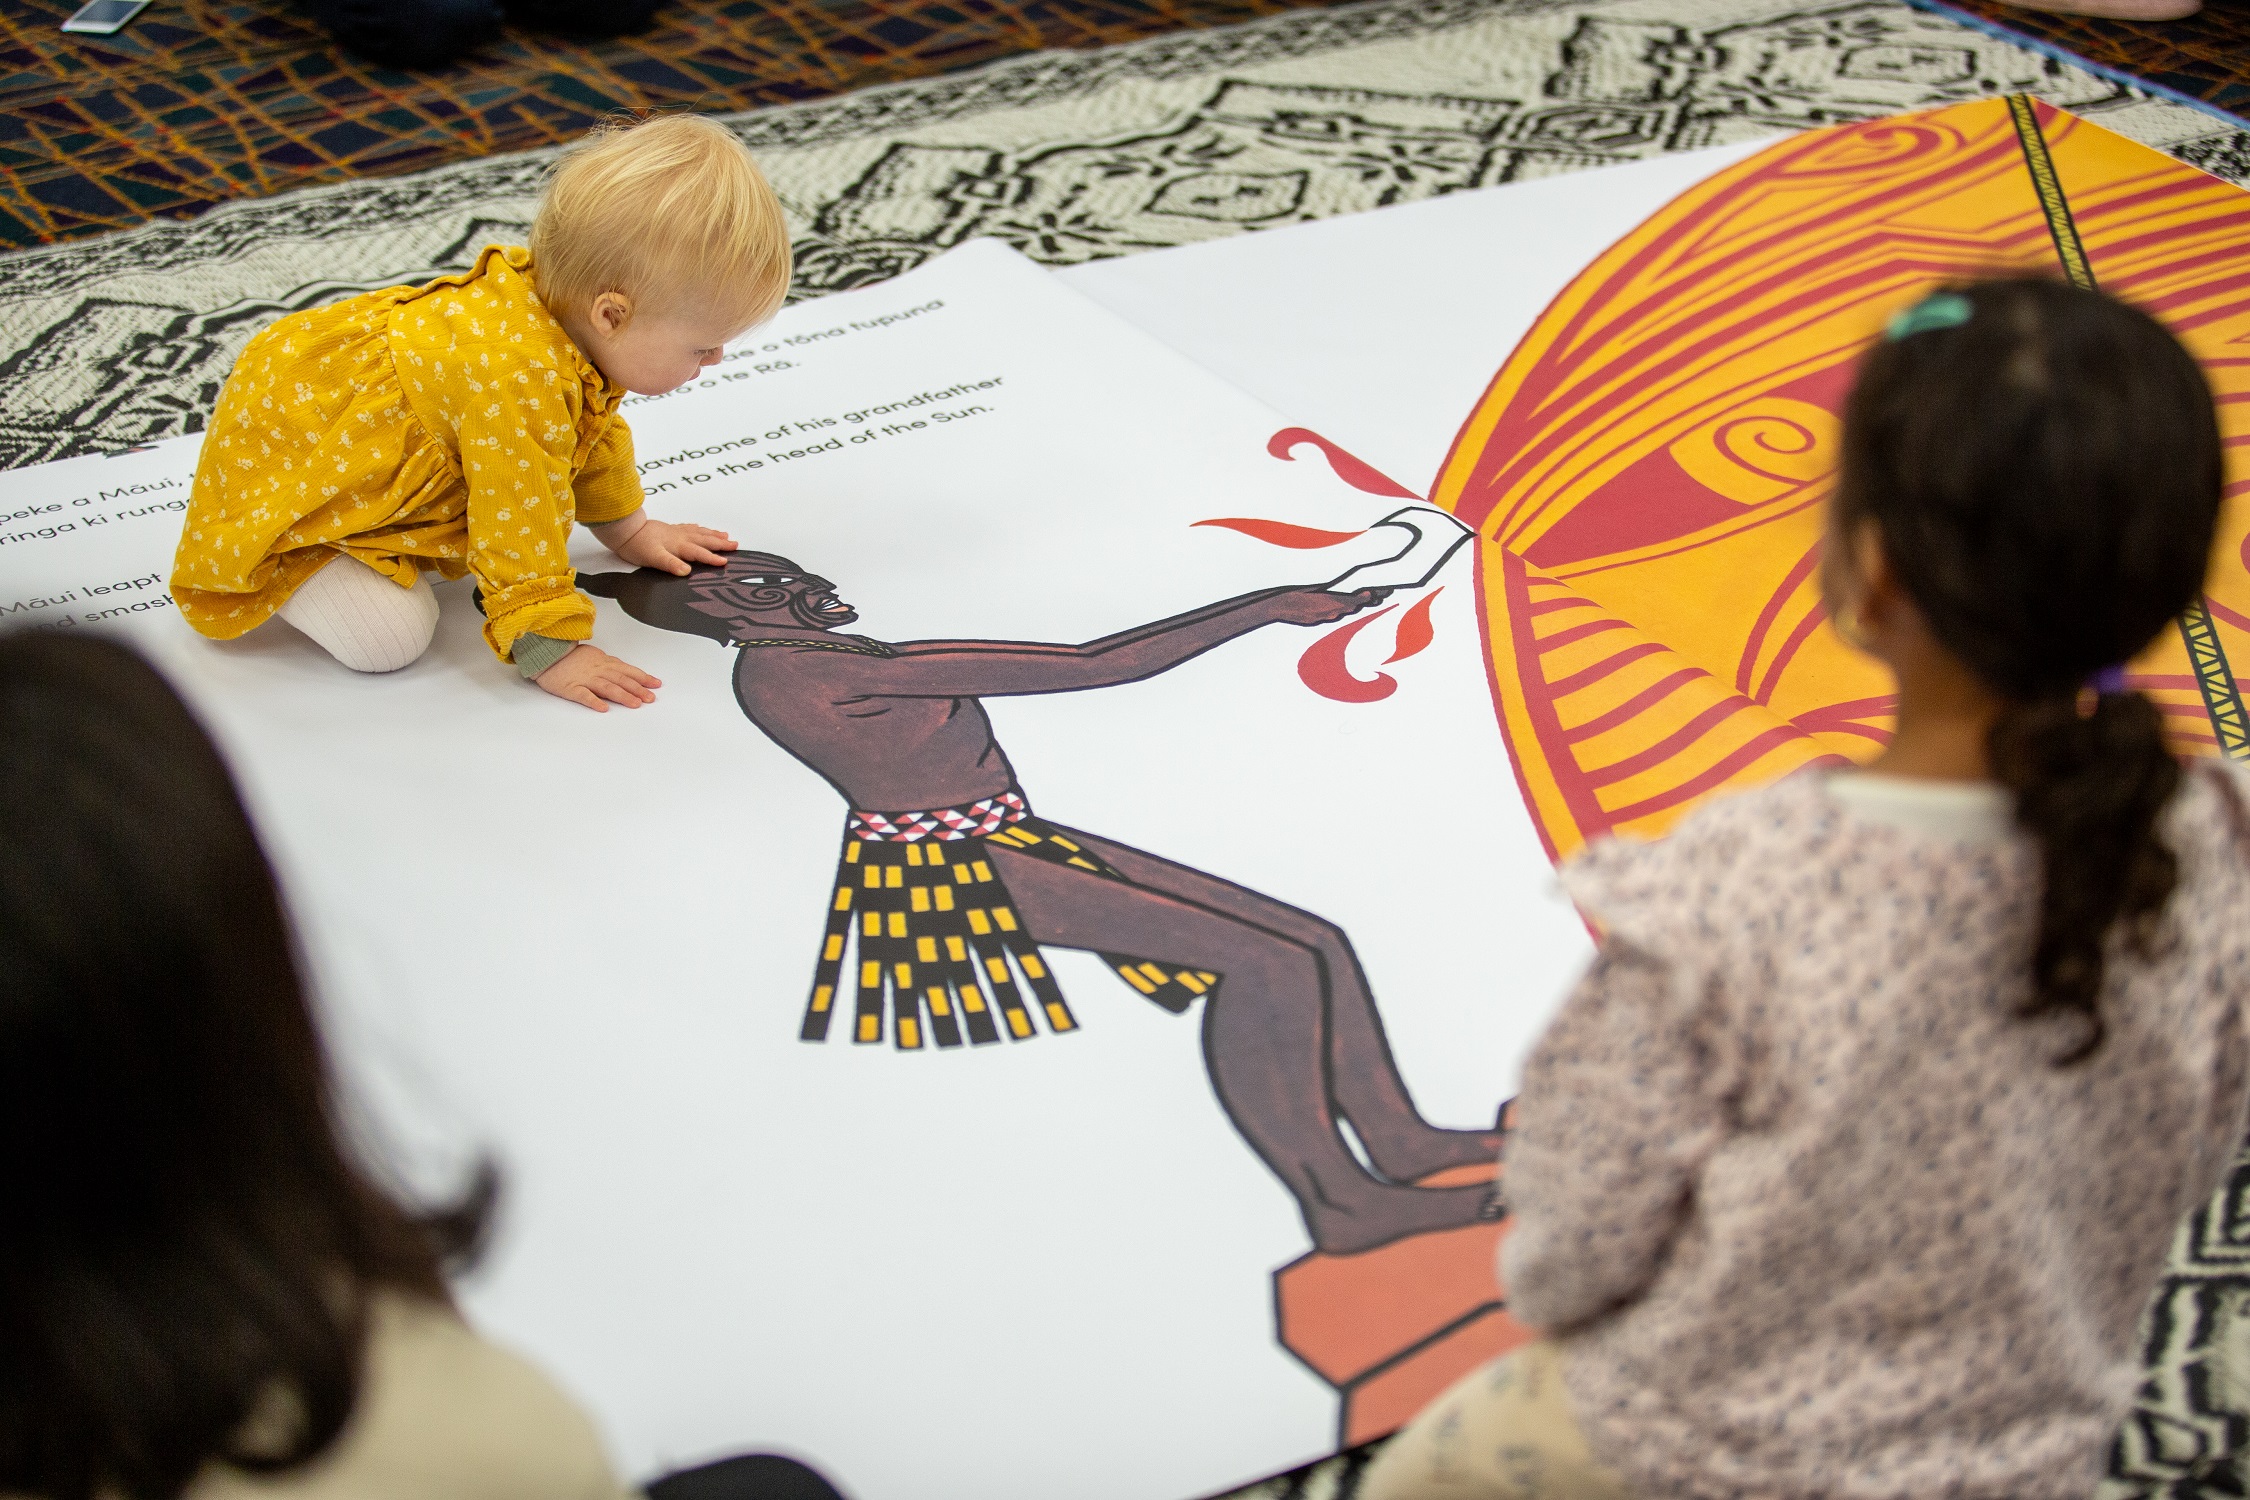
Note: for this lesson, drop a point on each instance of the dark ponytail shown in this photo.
(2089, 786)
(2043, 463)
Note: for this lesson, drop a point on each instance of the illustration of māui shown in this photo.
(949, 885)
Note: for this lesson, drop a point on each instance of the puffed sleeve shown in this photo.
(609, 487)
(516, 425)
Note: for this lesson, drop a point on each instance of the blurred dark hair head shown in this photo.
(183, 1234)
(2043, 464)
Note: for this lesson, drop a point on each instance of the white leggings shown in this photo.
(363, 619)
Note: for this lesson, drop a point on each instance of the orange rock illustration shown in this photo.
(1393, 1326)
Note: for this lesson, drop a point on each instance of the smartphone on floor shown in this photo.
(104, 17)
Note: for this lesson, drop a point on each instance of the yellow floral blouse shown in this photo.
(452, 426)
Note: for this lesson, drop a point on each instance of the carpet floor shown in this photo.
(2205, 57)
(199, 102)
(107, 341)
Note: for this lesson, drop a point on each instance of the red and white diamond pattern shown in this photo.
(947, 823)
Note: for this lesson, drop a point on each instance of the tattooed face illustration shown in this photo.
(753, 591)
(764, 587)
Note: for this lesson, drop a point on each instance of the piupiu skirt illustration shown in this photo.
(922, 924)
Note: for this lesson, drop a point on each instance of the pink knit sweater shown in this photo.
(1810, 1212)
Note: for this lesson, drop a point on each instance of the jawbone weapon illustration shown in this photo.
(1429, 538)
(1426, 538)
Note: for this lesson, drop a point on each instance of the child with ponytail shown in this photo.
(1849, 1167)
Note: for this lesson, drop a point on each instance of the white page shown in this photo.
(583, 941)
(1382, 329)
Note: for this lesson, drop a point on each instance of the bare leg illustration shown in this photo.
(1292, 1006)
(1363, 1076)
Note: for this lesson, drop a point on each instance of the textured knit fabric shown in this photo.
(452, 426)
(1810, 1210)
(363, 619)
(536, 653)
(1504, 1431)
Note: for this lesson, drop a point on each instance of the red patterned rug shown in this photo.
(201, 101)
(2205, 58)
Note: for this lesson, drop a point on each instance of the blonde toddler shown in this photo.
(463, 426)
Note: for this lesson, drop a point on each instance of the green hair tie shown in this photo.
(1938, 310)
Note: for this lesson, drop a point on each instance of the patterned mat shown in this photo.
(116, 340)
(204, 101)
(1069, 156)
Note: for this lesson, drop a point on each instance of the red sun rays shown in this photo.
(1323, 667)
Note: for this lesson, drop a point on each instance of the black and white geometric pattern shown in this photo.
(2190, 1428)
(111, 342)
(1068, 156)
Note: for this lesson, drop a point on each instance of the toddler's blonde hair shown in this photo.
(669, 211)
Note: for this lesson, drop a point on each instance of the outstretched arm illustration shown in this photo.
(948, 886)
(995, 669)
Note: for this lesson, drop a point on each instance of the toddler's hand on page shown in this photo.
(673, 546)
(590, 675)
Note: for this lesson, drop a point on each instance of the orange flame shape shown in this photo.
(1282, 533)
(1323, 669)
